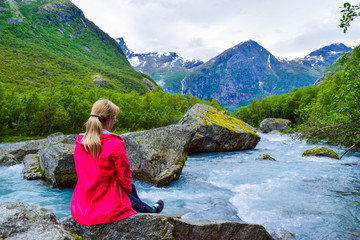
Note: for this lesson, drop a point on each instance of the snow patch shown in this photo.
(269, 62)
(134, 61)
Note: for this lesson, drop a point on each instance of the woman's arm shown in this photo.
(122, 166)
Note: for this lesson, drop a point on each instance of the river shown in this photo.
(311, 197)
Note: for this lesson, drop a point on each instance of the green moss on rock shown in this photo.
(321, 151)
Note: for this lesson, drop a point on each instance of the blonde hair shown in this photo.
(101, 111)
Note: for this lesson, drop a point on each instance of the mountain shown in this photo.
(51, 43)
(248, 71)
(325, 56)
(167, 69)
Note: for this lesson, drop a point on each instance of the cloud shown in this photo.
(202, 29)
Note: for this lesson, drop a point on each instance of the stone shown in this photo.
(32, 169)
(100, 83)
(57, 161)
(265, 157)
(149, 83)
(270, 124)
(274, 132)
(25, 221)
(14, 153)
(218, 132)
(157, 226)
(321, 78)
(322, 152)
(157, 156)
(284, 235)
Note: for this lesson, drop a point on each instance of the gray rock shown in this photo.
(271, 124)
(274, 132)
(218, 132)
(100, 83)
(321, 152)
(32, 169)
(156, 226)
(57, 161)
(14, 153)
(149, 83)
(265, 157)
(322, 77)
(284, 235)
(24, 221)
(157, 156)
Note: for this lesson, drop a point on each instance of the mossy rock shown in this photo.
(322, 152)
(265, 157)
(218, 132)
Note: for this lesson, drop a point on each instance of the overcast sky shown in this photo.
(202, 29)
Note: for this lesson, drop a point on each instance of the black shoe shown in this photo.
(158, 206)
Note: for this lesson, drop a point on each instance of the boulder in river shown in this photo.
(14, 153)
(265, 157)
(322, 152)
(218, 132)
(57, 161)
(270, 124)
(157, 156)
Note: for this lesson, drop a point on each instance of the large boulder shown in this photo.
(57, 162)
(14, 153)
(157, 156)
(270, 124)
(24, 221)
(218, 132)
(321, 152)
(156, 226)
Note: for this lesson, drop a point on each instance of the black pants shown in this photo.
(137, 204)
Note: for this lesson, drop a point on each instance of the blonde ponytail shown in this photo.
(101, 111)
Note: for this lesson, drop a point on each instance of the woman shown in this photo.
(103, 191)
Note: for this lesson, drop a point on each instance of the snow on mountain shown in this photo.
(167, 69)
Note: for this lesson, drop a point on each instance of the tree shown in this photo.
(350, 12)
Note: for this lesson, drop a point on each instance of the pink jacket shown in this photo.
(97, 197)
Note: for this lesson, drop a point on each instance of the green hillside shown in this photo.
(51, 42)
(55, 64)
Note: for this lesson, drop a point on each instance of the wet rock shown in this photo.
(24, 221)
(157, 226)
(218, 132)
(157, 156)
(322, 152)
(271, 124)
(32, 169)
(284, 235)
(265, 157)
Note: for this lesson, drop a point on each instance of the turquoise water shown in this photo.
(311, 197)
